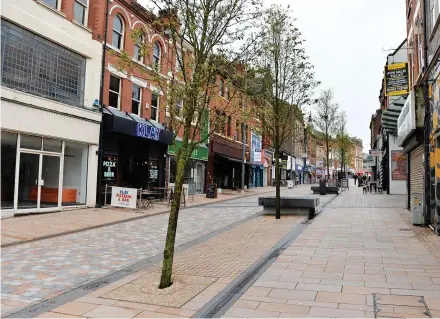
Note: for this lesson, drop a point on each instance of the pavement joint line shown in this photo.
(68, 232)
(218, 306)
(97, 283)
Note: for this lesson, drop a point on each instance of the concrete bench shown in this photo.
(290, 205)
(329, 190)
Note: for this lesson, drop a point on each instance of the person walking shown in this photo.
(355, 178)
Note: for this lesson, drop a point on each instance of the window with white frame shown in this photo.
(118, 32)
(136, 97)
(80, 11)
(114, 92)
(156, 56)
(138, 47)
(179, 107)
(154, 107)
(221, 90)
(434, 12)
(52, 3)
(227, 92)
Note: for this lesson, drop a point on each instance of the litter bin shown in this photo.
(322, 188)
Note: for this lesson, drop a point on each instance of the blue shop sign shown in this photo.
(147, 131)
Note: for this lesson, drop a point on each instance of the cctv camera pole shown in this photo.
(99, 202)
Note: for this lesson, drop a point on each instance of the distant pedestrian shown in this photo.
(355, 178)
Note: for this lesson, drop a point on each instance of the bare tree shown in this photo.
(325, 120)
(199, 64)
(343, 143)
(288, 79)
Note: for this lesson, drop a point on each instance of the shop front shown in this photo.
(48, 159)
(134, 151)
(298, 170)
(225, 163)
(267, 168)
(195, 171)
(256, 162)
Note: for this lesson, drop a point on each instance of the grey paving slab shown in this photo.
(35, 271)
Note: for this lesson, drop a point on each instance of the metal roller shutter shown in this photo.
(416, 171)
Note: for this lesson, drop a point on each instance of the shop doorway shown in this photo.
(38, 181)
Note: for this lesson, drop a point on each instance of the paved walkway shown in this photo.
(31, 227)
(35, 271)
(360, 257)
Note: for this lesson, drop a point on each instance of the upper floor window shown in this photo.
(138, 47)
(118, 32)
(114, 92)
(221, 90)
(156, 56)
(136, 96)
(38, 66)
(53, 3)
(179, 107)
(80, 11)
(179, 59)
(227, 92)
(155, 107)
(228, 128)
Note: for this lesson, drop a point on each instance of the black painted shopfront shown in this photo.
(134, 151)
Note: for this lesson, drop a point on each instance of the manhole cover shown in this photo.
(404, 229)
(388, 306)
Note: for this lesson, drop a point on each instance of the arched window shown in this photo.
(118, 32)
(156, 56)
(138, 47)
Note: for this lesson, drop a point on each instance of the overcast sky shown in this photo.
(345, 40)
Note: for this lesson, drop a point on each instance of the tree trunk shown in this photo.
(168, 254)
(328, 165)
(277, 182)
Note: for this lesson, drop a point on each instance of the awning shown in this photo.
(392, 112)
(133, 125)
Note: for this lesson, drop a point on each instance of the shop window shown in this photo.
(118, 32)
(114, 92)
(30, 142)
(173, 169)
(8, 158)
(136, 95)
(80, 11)
(52, 145)
(35, 65)
(138, 48)
(75, 174)
(156, 56)
(153, 174)
(155, 107)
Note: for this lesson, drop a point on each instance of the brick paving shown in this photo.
(221, 258)
(31, 227)
(358, 249)
(35, 271)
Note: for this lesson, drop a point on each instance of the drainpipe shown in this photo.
(99, 202)
(427, 120)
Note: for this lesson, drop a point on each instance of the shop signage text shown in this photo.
(124, 197)
(147, 131)
(257, 156)
(396, 79)
(406, 123)
(200, 153)
(374, 153)
(109, 167)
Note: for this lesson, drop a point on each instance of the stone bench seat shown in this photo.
(329, 190)
(290, 205)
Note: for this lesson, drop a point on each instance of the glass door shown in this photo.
(50, 182)
(28, 190)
